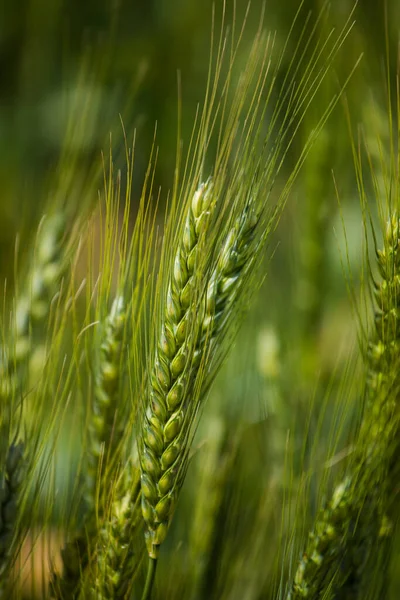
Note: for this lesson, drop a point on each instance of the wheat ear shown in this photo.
(384, 347)
(31, 315)
(170, 410)
(378, 439)
(103, 437)
(117, 557)
(75, 554)
(32, 307)
(341, 540)
(226, 284)
(348, 532)
(383, 396)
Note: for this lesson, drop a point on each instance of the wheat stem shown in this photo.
(151, 574)
(215, 463)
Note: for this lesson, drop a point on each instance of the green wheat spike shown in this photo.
(349, 531)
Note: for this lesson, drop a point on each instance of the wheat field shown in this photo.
(200, 269)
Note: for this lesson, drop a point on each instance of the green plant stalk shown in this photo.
(214, 468)
(151, 573)
(314, 240)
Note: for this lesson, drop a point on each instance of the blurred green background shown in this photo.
(132, 51)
